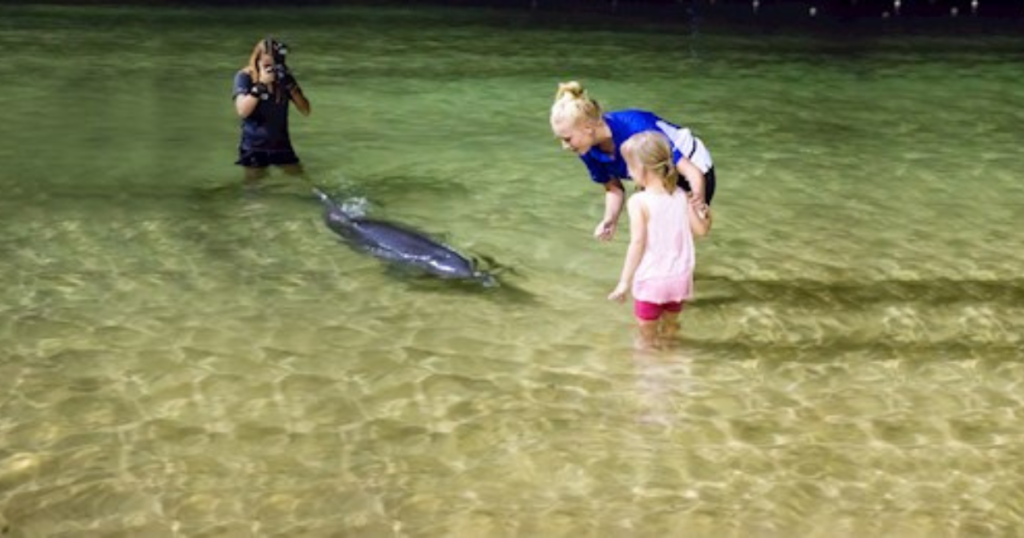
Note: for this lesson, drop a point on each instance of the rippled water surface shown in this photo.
(183, 358)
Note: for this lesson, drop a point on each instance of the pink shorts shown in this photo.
(652, 311)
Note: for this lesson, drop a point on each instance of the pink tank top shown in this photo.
(665, 273)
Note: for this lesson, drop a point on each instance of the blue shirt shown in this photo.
(626, 123)
(266, 129)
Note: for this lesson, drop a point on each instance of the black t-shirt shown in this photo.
(266, 129)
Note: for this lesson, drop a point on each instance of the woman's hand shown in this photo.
(699, 216)
(267, 75)
(698, 204)
(605, 230)
(288, 83)
(619, 293)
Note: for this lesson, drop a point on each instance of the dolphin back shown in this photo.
(409, 247)
(399, 244)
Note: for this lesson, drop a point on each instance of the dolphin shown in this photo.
(401, 245)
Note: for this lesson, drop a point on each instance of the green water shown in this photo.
(181, 358)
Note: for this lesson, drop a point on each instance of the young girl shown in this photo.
(662, 221)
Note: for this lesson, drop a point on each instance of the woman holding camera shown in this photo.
(263, 90)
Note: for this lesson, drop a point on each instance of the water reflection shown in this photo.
(664, 382)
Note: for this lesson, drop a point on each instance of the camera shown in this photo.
(276, 49)
(279, 51)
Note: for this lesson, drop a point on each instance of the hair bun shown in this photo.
(572, 88)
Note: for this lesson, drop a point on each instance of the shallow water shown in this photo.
(182, 358)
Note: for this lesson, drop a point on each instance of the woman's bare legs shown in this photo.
(293, 169)
(253, 176)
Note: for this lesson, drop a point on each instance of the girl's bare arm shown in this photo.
(637, 239)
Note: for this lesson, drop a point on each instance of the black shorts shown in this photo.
(709, 185)
(253, 158)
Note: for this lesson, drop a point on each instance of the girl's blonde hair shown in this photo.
(572, 104)
(652, 150)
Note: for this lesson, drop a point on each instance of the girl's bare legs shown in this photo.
(647, 334)
(669, 325)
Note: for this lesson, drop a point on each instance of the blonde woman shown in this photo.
(662, 221)
(263, 91)
(596, 137)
